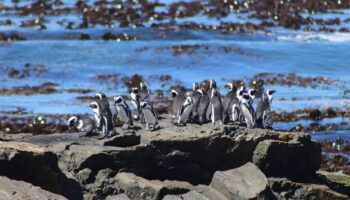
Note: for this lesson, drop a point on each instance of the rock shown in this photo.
(118, 197)
(245, 182)
(286, 189)
(19, 190)
(122, 140)
(296, 159)
(38, 166)
(139, 188)
(316, 115)
(336, 181)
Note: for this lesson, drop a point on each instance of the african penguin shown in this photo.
(144, 92)
(135, 100)
(248, 111)
(203, 107)
(123, 112)
(252, 94)
(215, 107)
(263, 110)
(196, 97)
(195, 86)
(150, 116)
(84, 125)
(228, 102)
(184, 111)
(103, 121)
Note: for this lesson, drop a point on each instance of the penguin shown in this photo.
(203, 107)
(150, 116)
(123, 112)
(212, 84)
(144, 92)
(263, 110)
(248, 111)
(184, 111)
(103, 121)
(135, 100)
(229, 100)
(196, 97)
(84, 125)
(104, 105)
(178, 100)
(236, 109)
(215, 107)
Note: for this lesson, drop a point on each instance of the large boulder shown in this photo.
(245, 182)
(19, 190)
(293, 159)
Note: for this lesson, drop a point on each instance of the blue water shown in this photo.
(75, 64)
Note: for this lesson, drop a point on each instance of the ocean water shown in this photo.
(72, 63)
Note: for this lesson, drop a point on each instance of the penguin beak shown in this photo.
(272, 92)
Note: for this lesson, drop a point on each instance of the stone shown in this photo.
(336, 181)
(245, 182)
(19, 190)
(288, 159)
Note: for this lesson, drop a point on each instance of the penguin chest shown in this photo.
(80, 125)
(122, 114)
(248, 115)
(185, 114)
(149, 116)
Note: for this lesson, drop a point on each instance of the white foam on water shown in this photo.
(331, 37)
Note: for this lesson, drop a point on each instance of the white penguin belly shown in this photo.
(122, 115)
(247, 115)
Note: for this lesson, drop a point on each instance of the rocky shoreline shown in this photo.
(192, 162)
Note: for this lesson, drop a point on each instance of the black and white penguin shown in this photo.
(195, 86)
(248, 111)
(263, 110)
(212, 84)
(151, 119)
(123, 112)
(184, 111)
(84, 125)
(196, 97)
(135, 100)
(144, 92)
(103, 120)
(229, 100)
(203, 107)
(104, 105)
(215, 107)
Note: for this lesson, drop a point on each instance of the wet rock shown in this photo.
(303, 160)
(245, 182)
(19, 190)
(316, 115)
(286, 189)
(45, 88)
(11, 37)
(84, 36)
(336, 181)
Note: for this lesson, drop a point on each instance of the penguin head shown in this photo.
(72, 121)
(118, 100)
(252, 93)
(101, 95)
(230, 86)
(195, 86)
(240, 94)
(144, 104)
(245, 98)
(94, 105)
(269, 94)
(144, 86)
(188, 101)
(135, 90)
(174, 93)
(214, 92)
(212, 84)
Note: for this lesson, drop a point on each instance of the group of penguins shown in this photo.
(199, 106)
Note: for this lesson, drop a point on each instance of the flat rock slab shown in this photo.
(245, 182)
(19, 190)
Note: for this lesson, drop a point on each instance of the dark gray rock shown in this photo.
(19, 190)
(336, 181)
(245, 182)
(293, 159)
